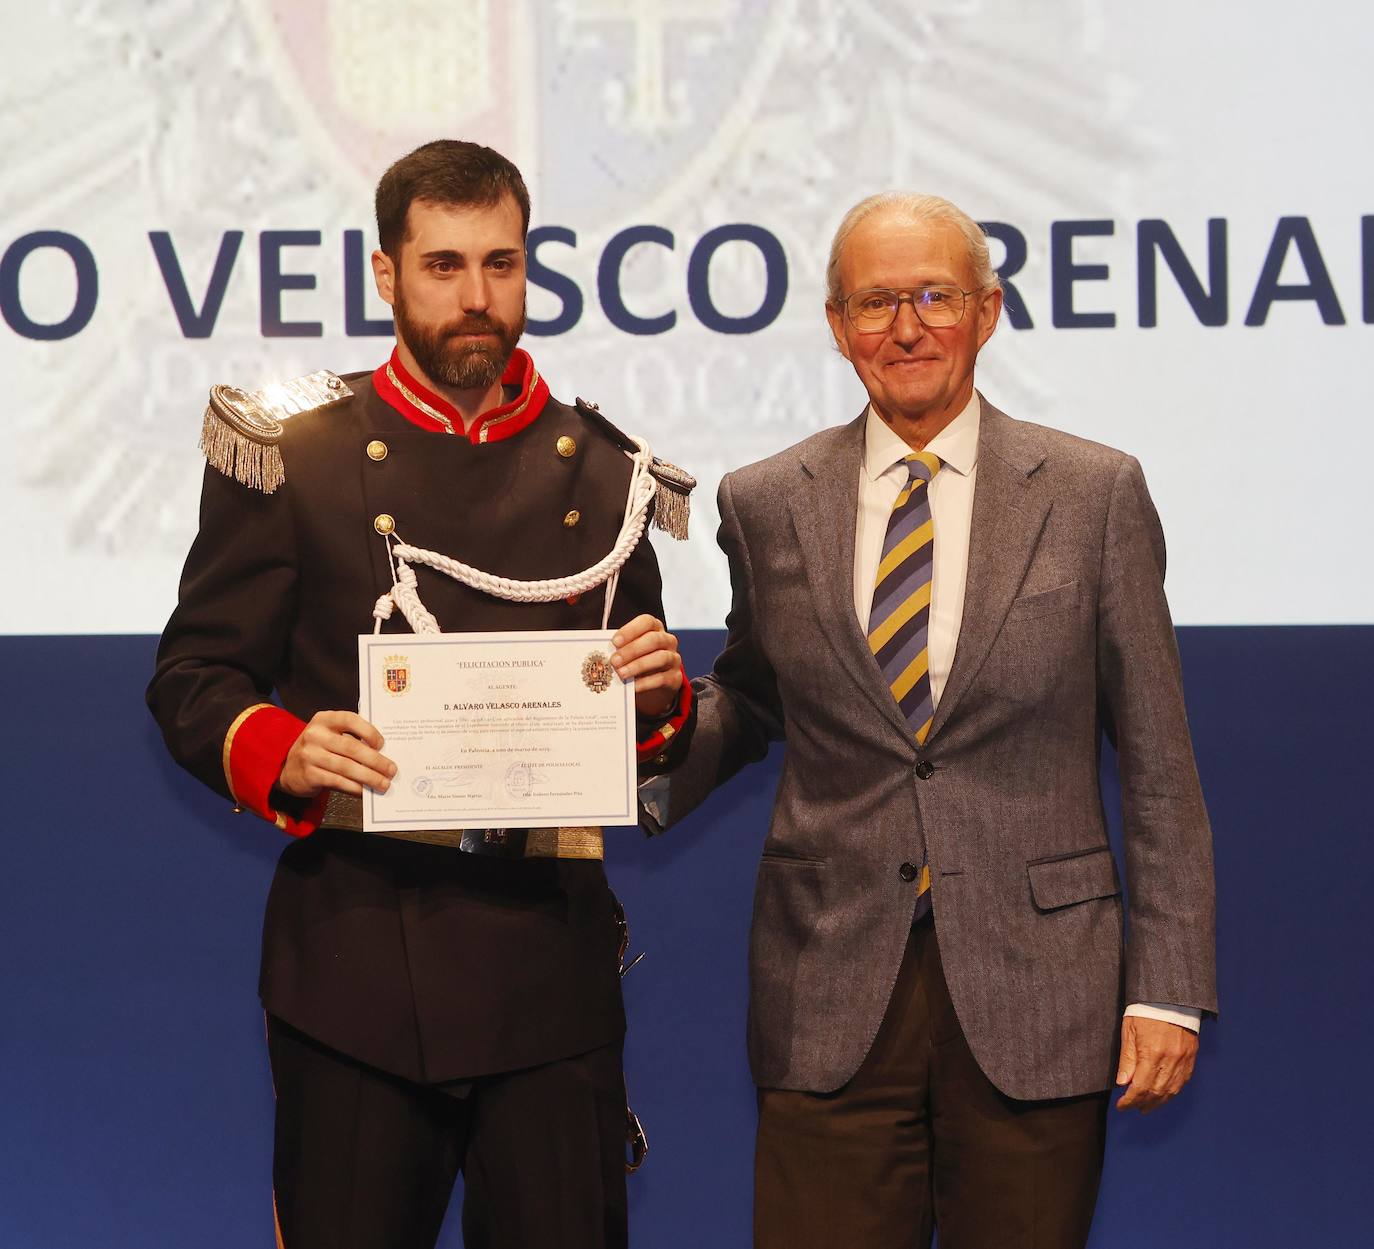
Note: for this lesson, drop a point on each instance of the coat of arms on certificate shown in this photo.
(397, 669)
(597, 673)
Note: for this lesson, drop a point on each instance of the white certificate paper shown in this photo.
(511, 730)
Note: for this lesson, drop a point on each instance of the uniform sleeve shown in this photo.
(658, 741)
(224, 648)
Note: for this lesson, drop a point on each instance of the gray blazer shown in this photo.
(1066, 636)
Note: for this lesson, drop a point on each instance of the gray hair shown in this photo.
(914, 207)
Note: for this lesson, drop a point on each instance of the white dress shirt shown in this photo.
(882, 474)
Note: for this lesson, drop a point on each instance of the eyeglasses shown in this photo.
(874, 310)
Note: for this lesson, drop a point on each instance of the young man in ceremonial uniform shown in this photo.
(430, 1009)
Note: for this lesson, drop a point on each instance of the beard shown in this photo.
(463, 366)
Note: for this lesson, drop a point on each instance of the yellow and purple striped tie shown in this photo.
(899, 620)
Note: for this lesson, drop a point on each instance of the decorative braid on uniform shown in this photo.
(655, 487)
(240, 436)
(404, 593)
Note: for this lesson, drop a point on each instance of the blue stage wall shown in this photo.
(133, 1084)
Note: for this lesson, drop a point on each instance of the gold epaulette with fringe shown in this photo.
(673, 500)
(242, 429)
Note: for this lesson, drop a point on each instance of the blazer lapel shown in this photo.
(1009, 512)
(825, 509)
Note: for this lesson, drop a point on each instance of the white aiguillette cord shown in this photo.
(404, 593)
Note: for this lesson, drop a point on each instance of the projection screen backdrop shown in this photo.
(1185, 230)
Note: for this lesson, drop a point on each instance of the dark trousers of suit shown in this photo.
(921, 1139)
(366, 1160)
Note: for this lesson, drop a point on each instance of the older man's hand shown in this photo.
(646, 651)
(1156, 1061)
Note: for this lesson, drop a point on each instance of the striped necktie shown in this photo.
(899, 621)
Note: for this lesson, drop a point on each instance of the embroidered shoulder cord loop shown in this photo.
(404, 594)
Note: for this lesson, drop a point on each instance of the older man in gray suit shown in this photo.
(942, 611)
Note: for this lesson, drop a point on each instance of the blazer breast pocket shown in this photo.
(1045, 602)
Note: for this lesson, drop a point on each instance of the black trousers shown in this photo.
(366, 1160)
(921, 1139)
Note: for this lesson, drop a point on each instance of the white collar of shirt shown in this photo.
(956, 444)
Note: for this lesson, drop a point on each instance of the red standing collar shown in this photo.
(424, 408)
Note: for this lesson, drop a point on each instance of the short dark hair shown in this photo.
(446, 171)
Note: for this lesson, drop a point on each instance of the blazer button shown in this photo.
(908, 872)
(925, 769)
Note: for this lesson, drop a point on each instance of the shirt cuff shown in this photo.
(255, 749)
(1184, 1016)
(653, 805)
(658, 733)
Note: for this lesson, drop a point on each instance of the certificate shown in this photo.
(513, 730)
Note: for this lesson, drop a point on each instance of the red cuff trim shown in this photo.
(255, 748)
(422, 407)
(660, 738)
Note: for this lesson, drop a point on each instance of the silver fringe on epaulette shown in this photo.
(673, 502)
(240, 432)
(240, 439)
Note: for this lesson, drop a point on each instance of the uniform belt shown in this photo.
(345, 811)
